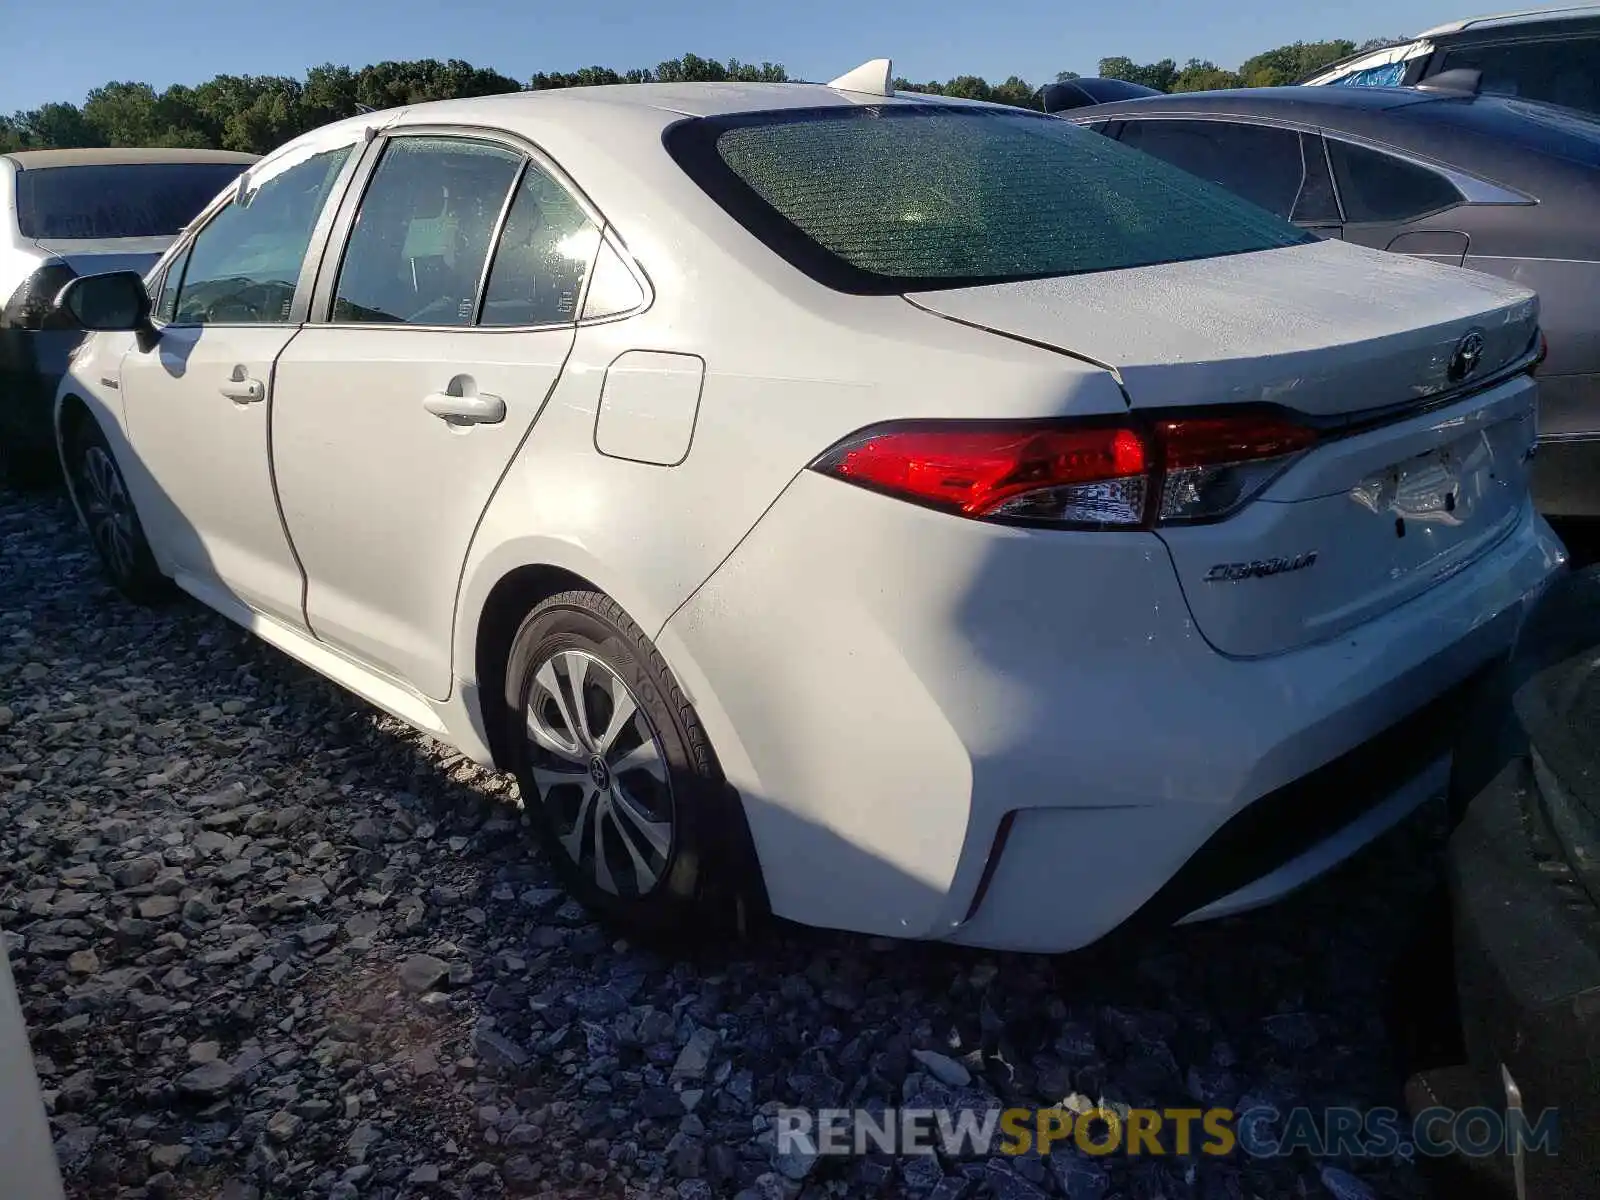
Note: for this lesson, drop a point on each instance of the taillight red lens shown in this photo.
(1210, 441)
(1073, 473)
(986, 470)
(1213, 465)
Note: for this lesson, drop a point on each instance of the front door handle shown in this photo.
(245, 391)
(480, 408)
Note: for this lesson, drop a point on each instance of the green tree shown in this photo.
(124, 114)
(54, 126)
(392, 84)
(1159, 75)
(583, 77)
(329, 94)
(1291, 64)
(1017, 92)
(1204, 76)
(260, 112)
(691, 68)
(751, 73)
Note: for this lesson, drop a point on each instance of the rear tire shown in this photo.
(618, 776)
(109, 516)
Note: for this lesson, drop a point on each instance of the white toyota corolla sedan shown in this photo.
(907, 516)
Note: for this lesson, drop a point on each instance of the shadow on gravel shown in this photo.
(271, 943)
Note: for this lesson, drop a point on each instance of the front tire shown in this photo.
(109, 516)
(618, 775)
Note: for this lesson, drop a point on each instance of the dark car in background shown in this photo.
(1507, 187)
(1550, 54)
(65, 213)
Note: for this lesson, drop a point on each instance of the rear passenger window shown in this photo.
(1379, 187)
(544, 253)
(1565, 72)
(421, 238)
(1258, 163)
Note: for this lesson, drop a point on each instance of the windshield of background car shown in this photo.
(893, 198)
(124, 200)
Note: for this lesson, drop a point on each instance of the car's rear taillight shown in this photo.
(1212, 465)
(1080, 474)
(32, 306)
(1019, 470)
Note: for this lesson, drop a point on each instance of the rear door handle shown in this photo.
(245, 391)
(478, 409)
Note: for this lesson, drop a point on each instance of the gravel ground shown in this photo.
(272, 943)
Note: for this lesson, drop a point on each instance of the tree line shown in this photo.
(256, 113)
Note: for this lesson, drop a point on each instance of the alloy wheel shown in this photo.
(600, 772)
(108, 510)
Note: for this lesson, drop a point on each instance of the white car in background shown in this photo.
(916, 517)
(65, 213)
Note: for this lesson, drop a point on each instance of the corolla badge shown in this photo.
(1260, 568)
(1464, 359)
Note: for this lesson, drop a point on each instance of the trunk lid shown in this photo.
(1322, 328)
(100, 256)
(1381, 509)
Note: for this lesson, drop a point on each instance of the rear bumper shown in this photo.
(890, 688)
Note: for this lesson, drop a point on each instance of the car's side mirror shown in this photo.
(115, 301)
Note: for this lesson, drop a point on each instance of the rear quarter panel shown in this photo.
(649, 535)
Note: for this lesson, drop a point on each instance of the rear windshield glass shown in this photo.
(124, 200)
(916, 197)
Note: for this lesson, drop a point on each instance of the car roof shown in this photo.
(1526, 16)
(678, 99)
(1271, 101)
(1410, 118)
(105, 156)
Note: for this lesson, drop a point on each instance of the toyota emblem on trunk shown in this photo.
(1467, 355)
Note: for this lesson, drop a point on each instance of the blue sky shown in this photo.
(59, 51)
